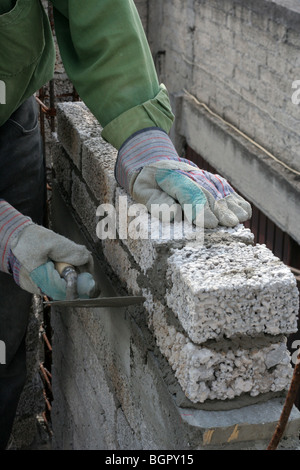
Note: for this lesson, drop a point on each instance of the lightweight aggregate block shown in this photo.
(145, 234)
(229, 290)
(212, 328)
(98, 162)
(75, 124)
(220, 370)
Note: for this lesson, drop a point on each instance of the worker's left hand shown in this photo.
(151, 171)
(33, 257)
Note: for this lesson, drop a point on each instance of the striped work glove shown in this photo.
(150, 170)
(29, 251)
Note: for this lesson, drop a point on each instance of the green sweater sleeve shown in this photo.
(107, 57)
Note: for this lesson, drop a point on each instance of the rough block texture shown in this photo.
(209, 340)
(240, 59)
(231, 290)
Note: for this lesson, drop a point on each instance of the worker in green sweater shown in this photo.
(106, 56)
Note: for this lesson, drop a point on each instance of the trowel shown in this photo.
(69, 274)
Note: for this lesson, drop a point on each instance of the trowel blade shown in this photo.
(123, 301)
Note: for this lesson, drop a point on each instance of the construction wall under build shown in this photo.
(203, 361)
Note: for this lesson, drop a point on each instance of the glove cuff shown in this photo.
(143, 148)
(12, 222)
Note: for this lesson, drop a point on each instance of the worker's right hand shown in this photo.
(29, 252)
(152, 172)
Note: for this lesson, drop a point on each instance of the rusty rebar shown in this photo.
(45, 376)
(44, 336)
(49, 111)
(47, 424)
(47, 401)
(287, 408)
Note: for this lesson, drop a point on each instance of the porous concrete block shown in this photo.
(229, 290)
(75, 124)
(226, 357)
(234, 302)
(245, 290)
(98, 163)
(220, 370)
(103, 361)
(62, 166)
(144, 235)
(119, 259)
(83, 205)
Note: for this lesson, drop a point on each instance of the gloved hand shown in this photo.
(29, 252)
(150, 170)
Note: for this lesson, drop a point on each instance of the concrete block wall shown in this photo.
(240, 58)
(203, 362)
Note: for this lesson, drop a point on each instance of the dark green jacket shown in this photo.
(105, 54)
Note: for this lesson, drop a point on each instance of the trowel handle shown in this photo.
(61, 267)
(69, 274)
(83, 285)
